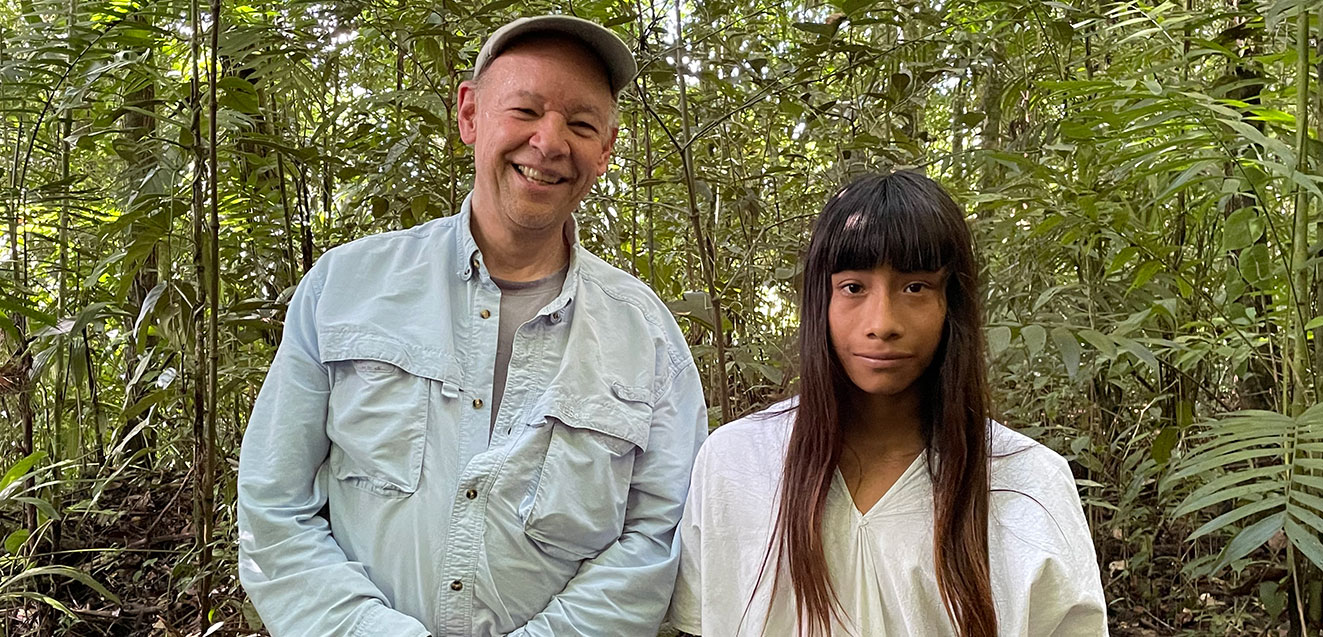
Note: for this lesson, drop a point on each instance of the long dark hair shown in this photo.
(907, 221)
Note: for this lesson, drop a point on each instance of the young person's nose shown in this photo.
(881, 318)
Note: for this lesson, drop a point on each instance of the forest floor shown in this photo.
(139, 544)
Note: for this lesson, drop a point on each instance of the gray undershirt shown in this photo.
(520, 301)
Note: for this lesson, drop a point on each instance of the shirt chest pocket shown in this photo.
(576, 508)
(377, 422)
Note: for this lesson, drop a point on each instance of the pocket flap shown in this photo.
(621, 414)
(354, 345)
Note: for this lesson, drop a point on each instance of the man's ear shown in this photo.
(468, 112)
(604, 161)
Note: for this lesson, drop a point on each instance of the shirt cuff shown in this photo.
(380, 621)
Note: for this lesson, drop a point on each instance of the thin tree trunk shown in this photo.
(1299, 284)
(207, 468)
(18, 263)
(706, 256)
(199, 362)
(139, 128)
(1298, 312)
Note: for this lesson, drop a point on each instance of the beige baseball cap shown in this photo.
(620, 65)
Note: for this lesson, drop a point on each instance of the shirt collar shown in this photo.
(468, 262)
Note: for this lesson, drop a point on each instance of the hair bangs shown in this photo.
(896, 221)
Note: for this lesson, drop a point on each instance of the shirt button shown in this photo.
(474, 263)
(471, 494)
(555, 316)
(477, 403)
(457, 585)
(485, 314)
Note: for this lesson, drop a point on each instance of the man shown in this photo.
(499, 425)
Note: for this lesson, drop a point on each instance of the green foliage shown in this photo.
(1265, 471)
(1131, 173)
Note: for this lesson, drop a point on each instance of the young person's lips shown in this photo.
(884, 360)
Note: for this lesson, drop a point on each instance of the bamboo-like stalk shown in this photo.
(18, 261)
(207, 470)
(1299, 278)
(706, 256)
(1299, 274)
(199, 372)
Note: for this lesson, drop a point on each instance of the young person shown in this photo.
(882, 500)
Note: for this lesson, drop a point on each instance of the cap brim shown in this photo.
(615, 55)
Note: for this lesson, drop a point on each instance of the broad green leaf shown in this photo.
(1256, 264)
(67, 572)
(1250, 538)
(1163, 444)
(999, 338)
(1273, 598)
(1145, 273)
(1229, 487)
(1034, 338)
(1242, 229)
(1236, 515)
(20, 469)
(1140, 352)
(148, 303)
(1101, 342)
(14, 541)
(1306, 539)
(1069, 348)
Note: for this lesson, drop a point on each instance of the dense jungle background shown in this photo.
(1143, 179)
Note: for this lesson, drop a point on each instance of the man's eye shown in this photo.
(526, 111)
(585, 126)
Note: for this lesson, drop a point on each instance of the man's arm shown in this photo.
(296, 575)
(625, 590)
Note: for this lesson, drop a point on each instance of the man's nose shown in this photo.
(551, 136)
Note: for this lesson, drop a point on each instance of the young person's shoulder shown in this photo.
(1017, 457)
(1035, 501)
(759, 438)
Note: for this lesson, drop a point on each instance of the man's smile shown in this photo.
(538, 176)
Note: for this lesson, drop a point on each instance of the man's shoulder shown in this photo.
(392, 242)
(625, 299)
(409, 257)
(619, 285)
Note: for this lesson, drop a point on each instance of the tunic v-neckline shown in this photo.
(838, 482)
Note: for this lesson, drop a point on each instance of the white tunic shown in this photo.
(1045, 577)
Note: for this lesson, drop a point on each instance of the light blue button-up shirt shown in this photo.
(563, 523)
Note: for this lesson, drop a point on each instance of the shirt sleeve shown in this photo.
(626, 588)
(1066, 596)
(295, 573)
(685, 613)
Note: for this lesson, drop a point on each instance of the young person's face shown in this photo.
(885, 326)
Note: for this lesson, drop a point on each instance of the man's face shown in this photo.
(541, 129)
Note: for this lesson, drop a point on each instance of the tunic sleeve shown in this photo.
(1049, 582)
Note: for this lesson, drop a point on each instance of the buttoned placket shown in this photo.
(526, 377)
(478, 329)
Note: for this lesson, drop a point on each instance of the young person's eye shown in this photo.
(915, 287)
(851, 288)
